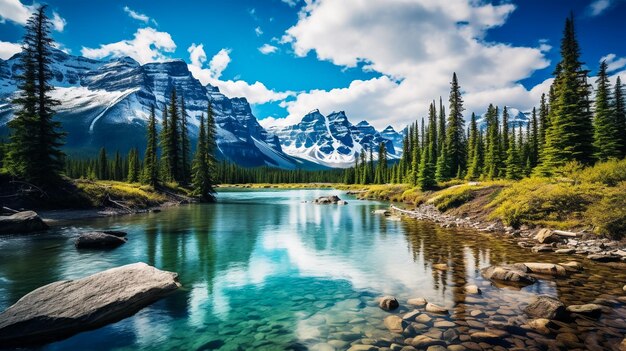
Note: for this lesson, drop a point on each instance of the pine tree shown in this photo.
(426, 175)
(441, 130)
(211, 137)
(513, 168)
(133, 166)
(455, 133)
(201, 179)
(619, 108)
(570, 135)
(150, 174)
(173, 139)
(415, 164)
(492, 152)
(164, 163)
(473, 169)
(504, 135)
(606, 137)
(184, 143)
(34, 152)
(117, 167)
(442, 168)
(102, 171)
(544, 122)
(533, 140)
(381, 168)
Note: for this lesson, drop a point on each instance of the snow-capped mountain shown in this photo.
(107, 103)
(333, 141)
(516, 118)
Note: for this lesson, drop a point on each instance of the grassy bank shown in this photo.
(591, 198)
(89, 194)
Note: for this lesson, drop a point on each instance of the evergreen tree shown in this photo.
(381, 169)
(117, 167)
(570, 135)
(606, 137)
(102, 169)
(133, 166)
(150, 174)
(532, 140)
(173, 139)
(202, 186)
(544, 122)
(619, 108)
(473, 170)
(164, 163)
(35, 153)
(363, 170)
(441, 132)
(357, 178)
(455, 133)
(426, 175)
(184, 143)
(504, 139)
(415, 164)
(492, 153)
(211, 144)
(442, 168)
(513, 164)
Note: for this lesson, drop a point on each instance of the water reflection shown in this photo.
(262, 269)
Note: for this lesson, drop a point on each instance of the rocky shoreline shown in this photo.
(538, 240)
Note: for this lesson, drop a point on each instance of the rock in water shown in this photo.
(547, 269)
(21, 222)
(432, 308)
(588, 309)
(515, 273)
(546, 236)
(324, 200)
(395, 324)
(98, 240)
(63, 308)
(388, 303)
(547, 307)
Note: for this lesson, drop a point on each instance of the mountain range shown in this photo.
(106, 103)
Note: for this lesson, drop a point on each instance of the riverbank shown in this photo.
(81, 199)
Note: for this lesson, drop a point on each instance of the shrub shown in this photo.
(414, 196)
(453, 197)
(610, 173)
(536, 200)
(609, 214)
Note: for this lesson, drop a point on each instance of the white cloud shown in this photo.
(597, 7)
(148, 45)
(136, 15)
(613, 63)
(255, 93)
(58, 22)
(415, 46)
(8, 49)
(291, 3)
(16, 12)
(267, 49)
(258, 31)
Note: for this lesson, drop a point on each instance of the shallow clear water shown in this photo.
(263, 270)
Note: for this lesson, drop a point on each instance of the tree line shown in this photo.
(230, 173)
(567, 127)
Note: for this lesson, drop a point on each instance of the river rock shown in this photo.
(472, 289)
(325, 200)
(542, 248)
(515, 273)
(67, 307)
(589, 309)
(21, 222)
(117, 233)
(540, 325)
(363, 348)
(572, 266)
(432, 308)
(544, 306)
(98, 240)
(423, 342)
(603, 257)
(546, 236)
(624, 288)
(342, 202)
(395, 324)
(420, 301)
(388, 303)
(546, 268)
(565, 251)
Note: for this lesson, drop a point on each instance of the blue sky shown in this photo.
(378, 60)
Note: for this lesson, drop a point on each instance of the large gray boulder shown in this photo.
(513, 273)
(547, 307)
(99, 240)
(325, 200)
(63, 308)
(21, 222)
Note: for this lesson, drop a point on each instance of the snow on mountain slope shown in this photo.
(107, 103)
(333, 141)
(516, 118)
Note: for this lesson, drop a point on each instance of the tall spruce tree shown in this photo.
(185, 148)
(173, 139)
(441, 130)
(164, 162)
(532, 140)
(619, 106)
(201, 178)
(474, 152)
(426, 175)
(492, 152)
(513, 162)
(102, 165)
(504, 135)
(455, 133)
(150, 174)
(570, 135)
(34, 152)
(133, 166)
(544, 122)
(606, 139)
(211, 135)
(381, 167)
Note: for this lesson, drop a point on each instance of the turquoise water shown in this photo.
(263, 270)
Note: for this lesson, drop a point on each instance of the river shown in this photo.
(262, 269)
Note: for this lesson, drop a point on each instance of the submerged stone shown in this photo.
(21, 222)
